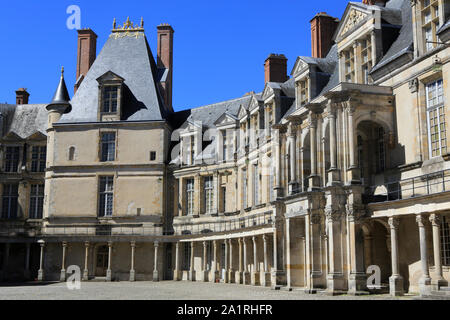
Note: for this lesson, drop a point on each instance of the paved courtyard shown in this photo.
(168, 290)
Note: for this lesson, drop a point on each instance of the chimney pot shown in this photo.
(22, 96)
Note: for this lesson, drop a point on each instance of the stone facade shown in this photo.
(312, 183)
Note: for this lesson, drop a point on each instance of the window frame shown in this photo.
(208, 189)
(433, 24)
(13, 162)
(38, 158)
(108, 193)
(13, 198)
(36, 208)
(111, 109)
(445, 241)
(190, 196)
(108, 143)
(436, 109)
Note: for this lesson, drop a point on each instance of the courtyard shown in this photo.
(167, 290)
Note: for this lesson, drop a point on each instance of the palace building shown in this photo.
(332, 173)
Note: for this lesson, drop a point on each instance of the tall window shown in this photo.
(36, 201)
(186, 256)
(430, 22)
(106, 194)
(445, 241)
(209, 255)
(349, 65)
(436, 119)
(12, 159)
(209, 195)
(108, 146)
(110, 99)
(366, 58)
(224, 145)
(190, 196)
(244, 189)
(9, 204)
(38, 158)
(191, 154)
(224, 199)
(255, 185)
(304, 96)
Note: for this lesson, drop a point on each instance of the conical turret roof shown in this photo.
(61, 99)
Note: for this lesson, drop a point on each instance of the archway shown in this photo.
(101, 261)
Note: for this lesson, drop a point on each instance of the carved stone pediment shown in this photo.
(242, 112)
(353, 18)
(225, 119)
(268, 91)
(299, 66)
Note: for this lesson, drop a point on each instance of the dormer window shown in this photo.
(349, 57)
(366, 59)
(430, 22)
(110, 97)
(303, 91)
(110, 94)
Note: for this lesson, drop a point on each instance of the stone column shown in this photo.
(335, 277)
(191, 264)
(356, 52)
(308, 267)
(288, 254)
(354, 168)
(231, 272)
(358, 279)
(62, 277)
(317, 275)
(86, 259)
(226, 266)
(132, 271)
(373, 40)
(26, 273)
(155, 264)
(293, 184)
(109, 271)
(425, 279)
(239, 273)
(41, 261)
(246, 273)
(396, 280)
(255, 281)
(314, 179)
(439, 280)
(333, 173)
(176, 272)
(204, 267)
(214, 271)
(265, 281)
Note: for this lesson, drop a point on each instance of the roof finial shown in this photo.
(62, 72)
(142, 22)
(114, 24)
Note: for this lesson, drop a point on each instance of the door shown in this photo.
(169, 266)
(102, 261)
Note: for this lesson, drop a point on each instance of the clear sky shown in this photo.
(219, 46)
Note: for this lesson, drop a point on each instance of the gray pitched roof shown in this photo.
(23, 120)
(404, 42)
(208, 114)
(129, 57)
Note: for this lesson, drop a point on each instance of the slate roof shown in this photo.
(129, 57)
(23, 120)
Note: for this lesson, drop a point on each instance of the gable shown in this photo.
(225, 119)
(353, 18)
(299, 66)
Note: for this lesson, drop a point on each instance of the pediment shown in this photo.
(12, 136)
(268, 91)
(242, 112)
(37, 136)
(353, 17)
(225, 119)
(110, 77)
(254, 103)
(299, 66)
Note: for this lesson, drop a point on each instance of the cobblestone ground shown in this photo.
(169, 290)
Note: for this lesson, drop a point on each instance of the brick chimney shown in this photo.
(22, 96)
(323, 27)
(275, 68)
(87, 52)
(165, 60)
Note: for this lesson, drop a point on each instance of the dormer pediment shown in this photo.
(242, 112)
(12, 136)
(37, 136)
(300, 66)
(268, 92)
(354, 17)
(110, 77)
(226, 119)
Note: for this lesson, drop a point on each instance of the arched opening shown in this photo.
(101, 261)
(381, 250)
(71, 153)
(371, 152)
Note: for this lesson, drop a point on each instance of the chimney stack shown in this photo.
(165, 60)
(275, 68)
(22, 96)
(87, 52)
(323, 27)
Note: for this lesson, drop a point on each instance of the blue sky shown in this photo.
(219, 46)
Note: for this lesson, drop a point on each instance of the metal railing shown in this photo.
(428, 184)
(256, 220)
